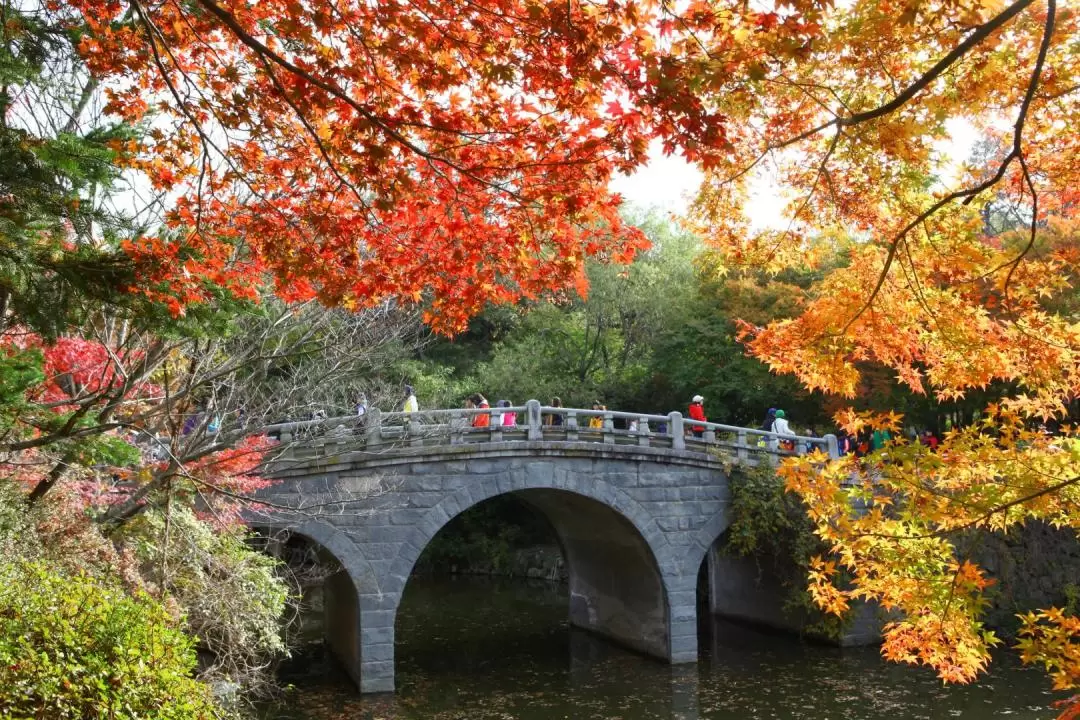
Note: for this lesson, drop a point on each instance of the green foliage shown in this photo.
(73, 646)
(59, 258)
(19, 371)
(650, 335)
(103, 450)
(582, 350)
(772, 527)
(1072, 598)
(60, 240)
(16, 532)
(232, 595)
(437, 385)
(703, 354)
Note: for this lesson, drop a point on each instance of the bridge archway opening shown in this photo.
(613, 583)
(502, 536)
(750, 589)
(328, 609)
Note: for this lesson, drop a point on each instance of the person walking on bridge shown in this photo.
(770, 416)
(780, 424)
(509, 419)
(554, 419)
(766, 425)
(780, 427)
(410, 405)
(697, 412)
(477, 400)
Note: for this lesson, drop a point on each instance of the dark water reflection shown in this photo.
(478, 649)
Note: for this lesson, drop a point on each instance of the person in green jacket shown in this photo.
(879, 438)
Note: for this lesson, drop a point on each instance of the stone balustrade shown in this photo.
(535, 422)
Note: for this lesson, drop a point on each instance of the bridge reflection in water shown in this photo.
(635, 509)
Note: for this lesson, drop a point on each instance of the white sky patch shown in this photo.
(665, 182)
(962, 138)
(670, 183)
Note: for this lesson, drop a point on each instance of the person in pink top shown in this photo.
(509, 419)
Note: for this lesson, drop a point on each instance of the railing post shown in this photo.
(742, 450)
(373, 426)
(285, 441)
(458, 423)
(536, 422)
(773, 443)
(675, 428)
(709, 435)
(415, 437)
(609, 429)
(832, 446)
(643, 432)
(800, 447)
(571, 425)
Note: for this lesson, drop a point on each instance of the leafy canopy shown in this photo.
(848, 105)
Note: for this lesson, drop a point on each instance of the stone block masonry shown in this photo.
(634, 524)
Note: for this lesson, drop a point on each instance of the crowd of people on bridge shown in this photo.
(776, 421)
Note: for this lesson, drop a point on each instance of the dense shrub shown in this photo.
(232, 595)
(74, 646)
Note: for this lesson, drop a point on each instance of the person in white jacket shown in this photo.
(780, 424)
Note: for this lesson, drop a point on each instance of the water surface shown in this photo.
(479, 649)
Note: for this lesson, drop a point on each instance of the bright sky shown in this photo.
(669, 183)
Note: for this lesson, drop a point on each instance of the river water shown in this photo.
(477, 649)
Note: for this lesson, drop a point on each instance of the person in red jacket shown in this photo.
(697, 412)
(476, 400)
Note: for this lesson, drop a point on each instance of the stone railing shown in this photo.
(533, 422)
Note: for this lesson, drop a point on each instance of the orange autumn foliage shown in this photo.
(847, 108)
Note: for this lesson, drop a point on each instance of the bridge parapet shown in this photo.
(534, 422)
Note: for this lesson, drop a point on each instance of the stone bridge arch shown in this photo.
(634, 523)
(340, 591)
(620, 564)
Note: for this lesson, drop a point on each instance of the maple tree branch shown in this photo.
(1060, 93)
(314, 135)
(260, 48)
(1033, 229)
(970, 194)
(49, 481)
(152, 34)
(1011, 504)
(207, 142)
(821, 171)
(980, 34)
(43, 440)
(1040, 62)
(80, 105)
(986, 515)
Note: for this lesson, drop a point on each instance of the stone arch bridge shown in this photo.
(636, 503)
